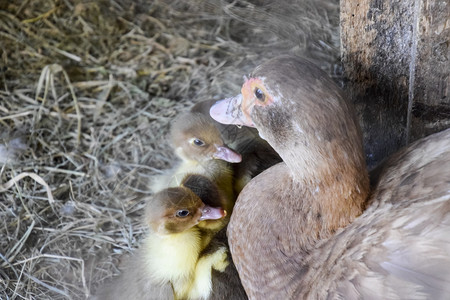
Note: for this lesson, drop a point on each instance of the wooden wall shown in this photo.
(395, 56)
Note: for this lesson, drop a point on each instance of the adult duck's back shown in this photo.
(400, 247)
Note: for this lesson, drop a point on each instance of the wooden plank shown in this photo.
(395, 59)
(431, 103)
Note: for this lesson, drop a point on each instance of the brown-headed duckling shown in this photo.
(185, 255)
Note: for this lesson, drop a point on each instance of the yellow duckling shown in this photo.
(186, 254)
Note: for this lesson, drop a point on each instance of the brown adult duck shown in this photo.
(306, 228)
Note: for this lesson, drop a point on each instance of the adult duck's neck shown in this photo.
(335, 178)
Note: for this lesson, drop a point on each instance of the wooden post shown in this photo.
(395, 55)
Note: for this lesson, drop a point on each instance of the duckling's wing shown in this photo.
(226, 284)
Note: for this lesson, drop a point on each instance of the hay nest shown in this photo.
(87, 92)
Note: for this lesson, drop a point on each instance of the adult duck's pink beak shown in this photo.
(212, 213)
(230, 111)
(226, 154)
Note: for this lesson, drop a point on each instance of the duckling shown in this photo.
(185, 255)
(193, 258)
(257, 154)
(307, 228)
(199, 145)
(225, 284)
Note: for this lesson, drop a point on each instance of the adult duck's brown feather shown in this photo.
(400, 247)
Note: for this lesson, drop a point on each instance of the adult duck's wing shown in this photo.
(397, 253)
(400, 247)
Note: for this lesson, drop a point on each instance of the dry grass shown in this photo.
(87, 91)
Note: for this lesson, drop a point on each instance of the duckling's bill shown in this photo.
(227, 154)
(230, 111)
(212, 213)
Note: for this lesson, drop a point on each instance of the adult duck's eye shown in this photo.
(198, 142)
(260, 95)
(182, 213)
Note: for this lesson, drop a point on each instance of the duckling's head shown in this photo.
(195, 137)
(178, 209)
(209, 193)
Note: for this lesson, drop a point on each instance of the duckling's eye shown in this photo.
(182, 213)
(259, 95)
(198, 142)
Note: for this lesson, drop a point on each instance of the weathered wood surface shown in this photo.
(395, 56)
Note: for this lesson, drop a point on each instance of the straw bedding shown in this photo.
(87, 93)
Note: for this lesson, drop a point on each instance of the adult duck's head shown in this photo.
(301, 112)
(195, 137)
